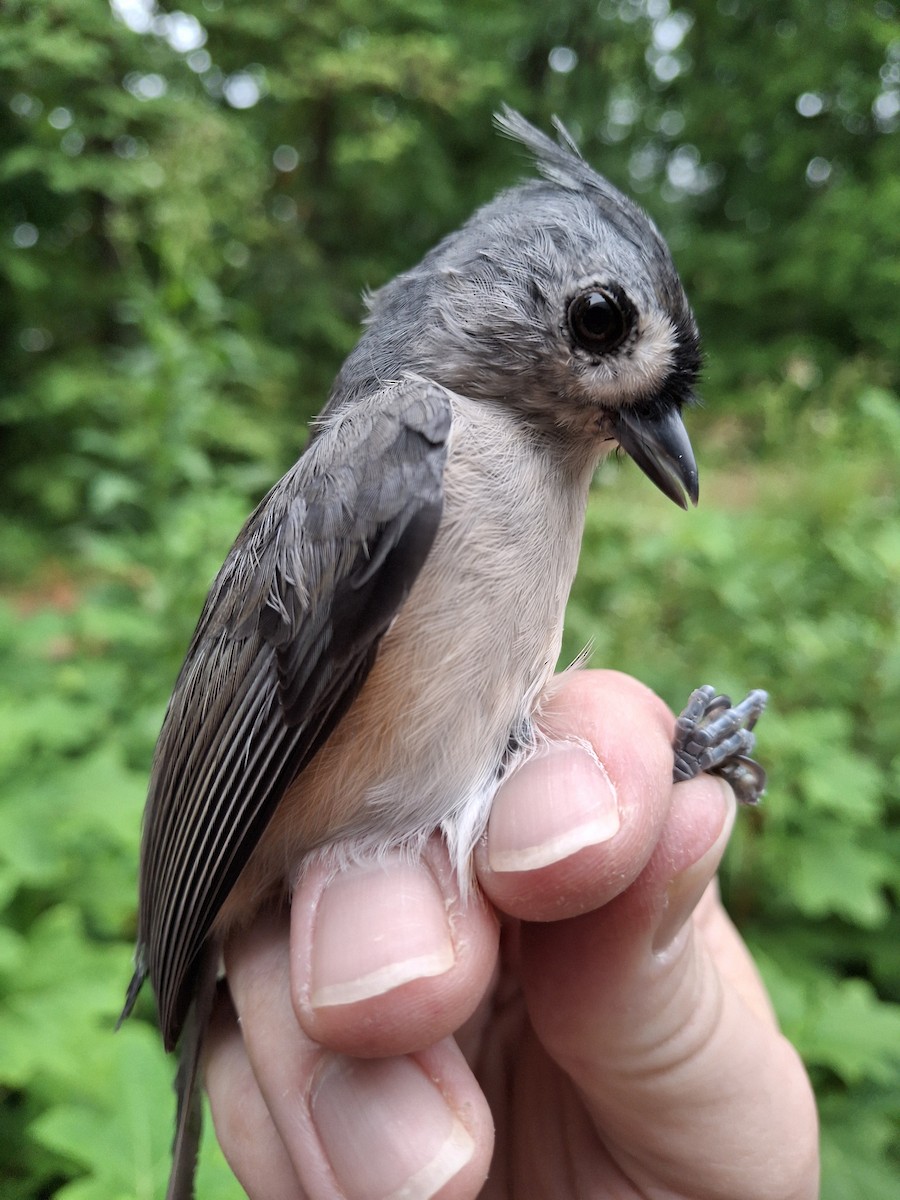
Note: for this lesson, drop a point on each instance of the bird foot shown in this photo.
(713, 735)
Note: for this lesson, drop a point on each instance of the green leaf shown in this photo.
(831, 874)
(854, 1033)
(120, 1132)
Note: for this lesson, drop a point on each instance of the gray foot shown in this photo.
(712, 735)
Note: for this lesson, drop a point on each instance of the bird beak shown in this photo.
(661, 448)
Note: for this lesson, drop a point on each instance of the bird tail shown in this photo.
(188, 1084)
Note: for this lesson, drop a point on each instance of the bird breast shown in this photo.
(458, 672)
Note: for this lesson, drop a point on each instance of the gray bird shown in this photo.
(371, 657)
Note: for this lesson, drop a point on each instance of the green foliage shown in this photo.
(187, 216)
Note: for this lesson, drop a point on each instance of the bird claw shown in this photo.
(713, 735)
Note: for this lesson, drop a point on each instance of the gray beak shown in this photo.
(661, 448)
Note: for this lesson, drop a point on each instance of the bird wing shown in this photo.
(286, 638)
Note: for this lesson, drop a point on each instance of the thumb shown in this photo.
(665, 1029)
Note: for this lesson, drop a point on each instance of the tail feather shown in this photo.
(188, 1084)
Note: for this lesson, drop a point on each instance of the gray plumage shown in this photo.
(371, 657)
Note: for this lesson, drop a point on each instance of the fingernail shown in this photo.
(554, 805)
(686, 888)
(378, 927)
(386, 1129)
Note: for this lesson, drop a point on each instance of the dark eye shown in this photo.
(599, 321)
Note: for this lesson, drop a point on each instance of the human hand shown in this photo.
(606, 1036)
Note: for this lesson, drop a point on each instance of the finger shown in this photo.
(730, 954)
(354, 1129)
(389, 957)
(676, 1064)
(414, 1125)
(282, 1059)
(577, 822)
(244, 1126)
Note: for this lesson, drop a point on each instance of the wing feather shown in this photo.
(286, 638)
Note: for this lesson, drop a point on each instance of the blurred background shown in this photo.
(191, 203)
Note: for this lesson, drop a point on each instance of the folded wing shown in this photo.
(289, 631)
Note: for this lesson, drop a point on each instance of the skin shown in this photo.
(588, 1024)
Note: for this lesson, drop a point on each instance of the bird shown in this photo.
(370, 659)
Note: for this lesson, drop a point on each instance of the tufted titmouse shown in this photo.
(370, 660)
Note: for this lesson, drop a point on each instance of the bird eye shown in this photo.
(599, 321)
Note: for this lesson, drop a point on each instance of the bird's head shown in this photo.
(559, 298)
